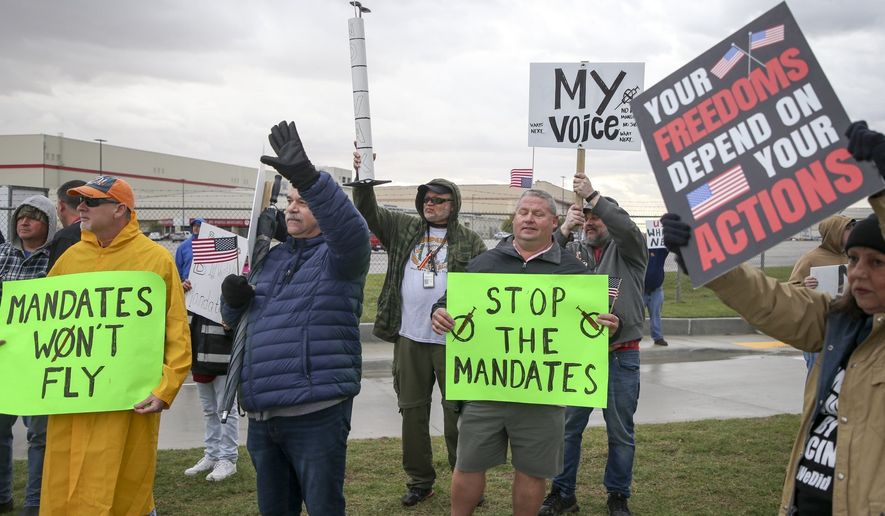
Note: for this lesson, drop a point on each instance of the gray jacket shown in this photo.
(624, 256)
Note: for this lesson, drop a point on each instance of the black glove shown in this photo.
(865, 144)
(676, 236)
(236, 291)
(291, 161)
(272, 224)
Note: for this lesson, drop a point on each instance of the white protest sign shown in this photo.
(654, 234)
(214, 259)
(831, 279)
(584, 104)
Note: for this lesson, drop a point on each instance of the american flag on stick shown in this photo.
(724, 65)
(766, 37)
(614, 288)
(521, 177)
(215, 250)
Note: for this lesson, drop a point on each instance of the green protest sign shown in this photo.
(89, 342)
(529, 338)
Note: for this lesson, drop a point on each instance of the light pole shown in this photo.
(100, 164)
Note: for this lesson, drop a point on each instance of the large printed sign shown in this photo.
(528, 338)
(89, 342)
(747, 144)
(584, 105)
(217, 253)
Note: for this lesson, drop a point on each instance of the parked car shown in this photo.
(180, 235)
(500, 235)
(155, 236)
(374, 243)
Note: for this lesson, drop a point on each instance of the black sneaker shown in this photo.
(416, 495)
(556, 503)
(617, 505)
(661, 342)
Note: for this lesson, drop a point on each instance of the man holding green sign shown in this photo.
(520, 348)
(101, 462)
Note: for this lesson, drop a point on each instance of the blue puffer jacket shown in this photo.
(303, 342)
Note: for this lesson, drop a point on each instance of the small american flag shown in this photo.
(614, 287)
(718, 191)
(521, 177)
(215, 250)
(766, 37)
(724, 65)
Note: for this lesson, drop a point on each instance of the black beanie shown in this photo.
(866, 233)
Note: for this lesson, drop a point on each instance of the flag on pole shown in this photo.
(766, 37)
(614, 287)
(718, 191)
(724, 65)
(215, 250)
(521, 177)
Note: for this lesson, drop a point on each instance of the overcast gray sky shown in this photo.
(448, 80)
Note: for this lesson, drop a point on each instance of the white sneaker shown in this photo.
(204, 464)
(223, 469)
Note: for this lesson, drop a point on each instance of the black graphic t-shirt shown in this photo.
(814, 478)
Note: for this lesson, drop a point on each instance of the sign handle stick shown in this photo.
(580, 168)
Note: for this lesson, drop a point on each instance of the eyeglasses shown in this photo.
(436, 200)
(93, 202)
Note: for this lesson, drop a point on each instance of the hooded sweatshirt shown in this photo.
(399, 233)
(14, 265)
(829, 252)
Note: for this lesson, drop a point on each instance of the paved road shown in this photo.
(694, 378)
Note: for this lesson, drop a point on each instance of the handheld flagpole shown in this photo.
(359, 77)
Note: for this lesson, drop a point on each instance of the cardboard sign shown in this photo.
(831, 279)
(654, 235)
(209, 270)
(89, 342)
(525, 338)
(584, 105)
(747, 144)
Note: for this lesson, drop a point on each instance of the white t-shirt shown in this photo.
(417, 299)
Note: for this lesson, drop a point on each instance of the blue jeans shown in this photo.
(36, 446)
(623, 396)
(809, 360)
(654, 302)
(301, 459)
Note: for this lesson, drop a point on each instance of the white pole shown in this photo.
(361, 113)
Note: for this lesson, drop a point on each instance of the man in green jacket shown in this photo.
(420, 252)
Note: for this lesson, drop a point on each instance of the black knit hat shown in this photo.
(866, 233)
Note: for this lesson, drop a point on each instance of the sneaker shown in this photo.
(222, 470)
(204, 464)
(416, 495)
(7, 506)
(661, 342)
(556, 503)
(617, 505)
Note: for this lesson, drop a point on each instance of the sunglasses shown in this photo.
(436, 200)
(93, 202)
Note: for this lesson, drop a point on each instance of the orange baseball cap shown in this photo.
(107, 187)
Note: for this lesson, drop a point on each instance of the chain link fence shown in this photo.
(164, 225)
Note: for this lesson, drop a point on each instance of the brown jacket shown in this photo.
(798, 317)
(829, 252)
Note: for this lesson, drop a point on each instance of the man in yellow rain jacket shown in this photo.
(103, 463)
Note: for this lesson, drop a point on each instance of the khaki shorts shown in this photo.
(535, 434)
